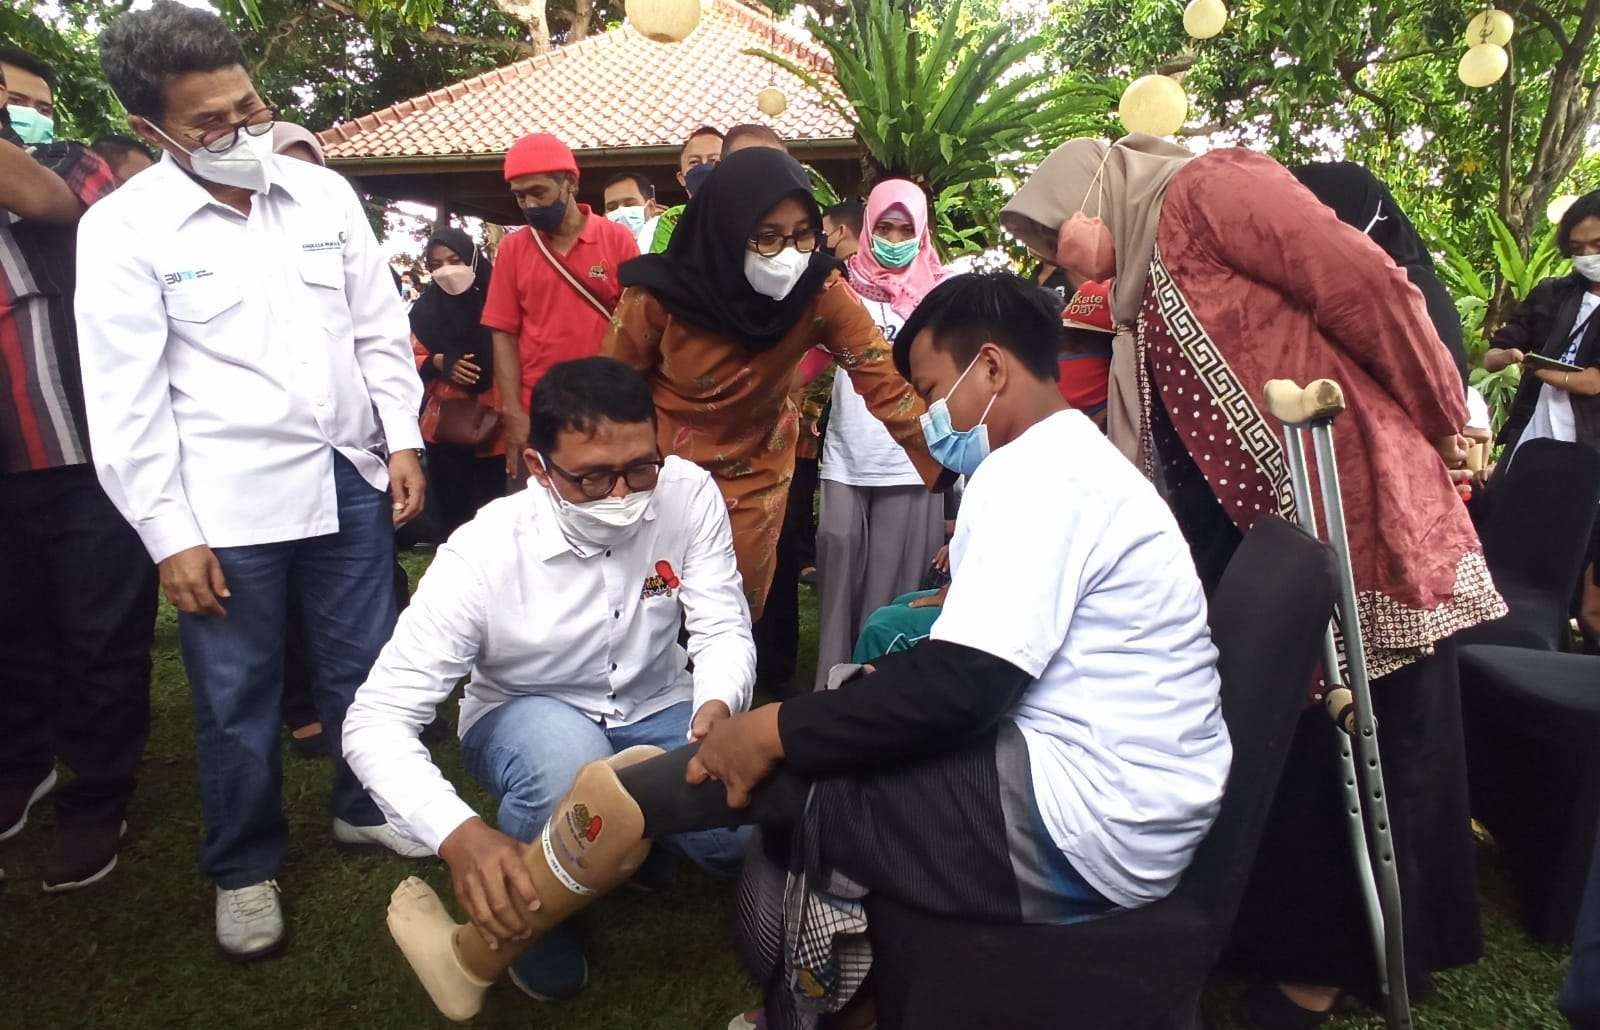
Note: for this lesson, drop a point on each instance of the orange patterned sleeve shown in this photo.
(635, 334)
(849, 333)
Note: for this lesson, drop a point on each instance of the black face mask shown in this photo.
(547, 218)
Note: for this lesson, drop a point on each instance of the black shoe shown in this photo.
(83, 855)
(1265, 1007)
(18, 799)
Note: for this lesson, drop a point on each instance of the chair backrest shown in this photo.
(1268, 618)
(1542, 512)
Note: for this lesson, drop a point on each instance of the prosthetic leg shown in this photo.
(1313, 410)
(592, 843)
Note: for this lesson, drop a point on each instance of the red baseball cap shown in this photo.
(1090, 308)
(539, 154)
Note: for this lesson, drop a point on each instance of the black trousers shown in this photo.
(461, 483)
(77, 621)
(803, 510)
(777, 632)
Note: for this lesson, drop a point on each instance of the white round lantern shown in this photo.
(1558, 207)
(1154, 104)
(1203, 19)
(665, 21)
(771, 102)
(1490, 26)
(1483, 65)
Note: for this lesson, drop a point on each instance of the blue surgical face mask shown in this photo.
(959, 450)
(31, 127)
(631, 218)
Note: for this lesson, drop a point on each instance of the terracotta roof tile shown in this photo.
(617, 89)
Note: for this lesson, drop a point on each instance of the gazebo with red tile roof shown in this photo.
(621, 101)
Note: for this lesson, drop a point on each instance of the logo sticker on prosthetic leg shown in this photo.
(583, 824)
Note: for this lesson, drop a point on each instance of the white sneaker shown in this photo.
(250, 920)
(383, 835)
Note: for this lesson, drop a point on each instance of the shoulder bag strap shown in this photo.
(566, 273)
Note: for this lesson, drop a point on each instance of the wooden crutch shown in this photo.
(1349, 701)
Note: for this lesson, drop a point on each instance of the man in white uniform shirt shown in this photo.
(252, 407)
(563, 603)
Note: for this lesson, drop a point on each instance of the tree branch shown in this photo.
(444, 37)
(1549, 21)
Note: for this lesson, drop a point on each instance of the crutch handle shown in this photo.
(1341, 705)
(1296, 406)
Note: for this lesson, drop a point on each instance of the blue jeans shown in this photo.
(528, 751)
(344, 582)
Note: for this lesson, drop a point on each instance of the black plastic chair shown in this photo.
(1532, 726)
(1541, 513)
(1142, 969)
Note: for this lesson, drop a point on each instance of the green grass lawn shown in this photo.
(137, 951)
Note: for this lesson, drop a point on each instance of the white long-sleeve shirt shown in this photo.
(227, 356)
(511, 602)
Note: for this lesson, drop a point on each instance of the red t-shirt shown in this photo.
(529, 298)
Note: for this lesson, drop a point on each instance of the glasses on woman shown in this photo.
(220, 139)
(600, 483)
(771, 244)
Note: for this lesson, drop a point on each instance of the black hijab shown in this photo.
(1361, 200)
(452, 325)
(700, 277)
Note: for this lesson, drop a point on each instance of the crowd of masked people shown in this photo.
(211, 388)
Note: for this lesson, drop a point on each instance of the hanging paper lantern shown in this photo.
(1153, 104)
(1483, 65)
(1203, 19)
(665, 21)
(1558, 207)
(771, 102)
(1490, 26)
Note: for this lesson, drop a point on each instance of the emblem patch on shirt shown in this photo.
(597, 271)
(174, 278)
(323, 246)
(661, 584)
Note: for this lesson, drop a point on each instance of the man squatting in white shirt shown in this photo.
(1055, 749)
(563, 603)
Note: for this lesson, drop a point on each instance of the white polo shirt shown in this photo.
(512, 603)
(226, 356)
(1067, 564)
(857, 450)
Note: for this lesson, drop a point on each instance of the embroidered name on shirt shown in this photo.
(322, 247)
(174, 278)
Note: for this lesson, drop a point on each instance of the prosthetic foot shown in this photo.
(592, 843)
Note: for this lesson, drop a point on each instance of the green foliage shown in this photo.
(85, 106)
(1521, 272)
(946, 106)
(1373, 81)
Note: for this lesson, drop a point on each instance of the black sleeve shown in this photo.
(1528, 325)
(928, 700)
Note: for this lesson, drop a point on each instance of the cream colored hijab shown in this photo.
(1134, 173)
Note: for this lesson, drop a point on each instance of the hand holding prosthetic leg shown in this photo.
(592, 843)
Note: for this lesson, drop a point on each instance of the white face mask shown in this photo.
(603, 523)
(1588, 266)
(243, 166)
(775, 276)
(631, 218)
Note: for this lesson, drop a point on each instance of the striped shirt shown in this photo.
(41, 391)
